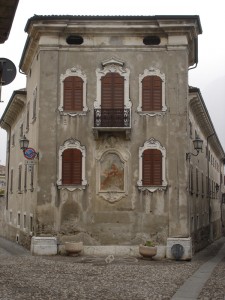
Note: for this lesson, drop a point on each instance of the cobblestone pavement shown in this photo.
(23, 276)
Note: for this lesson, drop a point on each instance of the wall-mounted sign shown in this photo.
(29, 153)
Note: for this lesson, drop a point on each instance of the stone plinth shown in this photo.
(43, 245)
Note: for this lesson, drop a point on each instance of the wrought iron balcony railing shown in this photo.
(106, 118)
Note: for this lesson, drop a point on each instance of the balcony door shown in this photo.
(112, 100)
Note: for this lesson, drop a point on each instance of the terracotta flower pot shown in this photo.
(147, 251)
(73, 248)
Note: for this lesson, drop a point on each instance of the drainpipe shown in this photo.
(209, 206)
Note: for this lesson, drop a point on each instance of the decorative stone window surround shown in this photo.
(73, 72)
(152, 144)
(152, 72)
(113, 65)
(72, 144)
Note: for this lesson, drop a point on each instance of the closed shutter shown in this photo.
(112, 91)
(71, 166)
(152, 167)
(152, 93)
(73, 94)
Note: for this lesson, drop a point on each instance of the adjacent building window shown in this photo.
(197, 185)
(73, 93)
(18, 219)
(71, 174)
(151, 92)
(13, 140)
(11, 181)
(20, 179)
(152, 166)
(28, 117)
(25, 178)
(34, 104)
(24, 221)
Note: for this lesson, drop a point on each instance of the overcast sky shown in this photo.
(209, 76)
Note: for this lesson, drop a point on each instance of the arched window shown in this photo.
(72, 167)
(71, 172)
(152, 158)
(112, 108)
(73, 93)
(152, 167)
(151, 92)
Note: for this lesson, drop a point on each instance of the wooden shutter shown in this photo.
(152, 167)
(71, 166)
(73, 93)
(112, 91)
(151, 93)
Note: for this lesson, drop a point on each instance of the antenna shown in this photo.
(7, 73)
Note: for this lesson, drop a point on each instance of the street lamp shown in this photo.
(24, 143)
(197, 142)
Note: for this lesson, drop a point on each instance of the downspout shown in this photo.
(208, 194)
(8, 159)
(196, 54)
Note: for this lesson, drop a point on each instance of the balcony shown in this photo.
(112, 120)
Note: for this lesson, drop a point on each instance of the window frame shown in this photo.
(152, 144)
(152, 72)
(113, 66)
(72, 144)
(78, 73)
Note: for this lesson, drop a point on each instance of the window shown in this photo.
(151, 92)
(20, 179)
(73, 93)
(21, 130)
(31, 178)
(112, 106)
(71, 167)
(25, 178)
(34, 104)
(71, 174)
(28, 117)
(197, 185)
(18, 219)
(24, 221)
(13, 140)
(11, 181)
(152, 166)
(191, 185)
(31, 223)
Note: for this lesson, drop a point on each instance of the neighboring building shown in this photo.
(109, 110)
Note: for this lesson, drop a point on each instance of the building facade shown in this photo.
(109, 111)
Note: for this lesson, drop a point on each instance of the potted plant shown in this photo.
(148, 250)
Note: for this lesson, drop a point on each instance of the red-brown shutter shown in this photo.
(73, 93)
(71, 166)
(152, 167)
(112, 91)
(151, 93)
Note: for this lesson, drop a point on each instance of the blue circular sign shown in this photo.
(30, 153)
